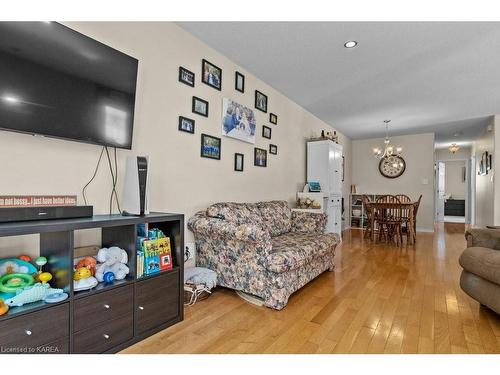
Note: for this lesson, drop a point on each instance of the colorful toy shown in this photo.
(26, 258)
(108, 277)
(14, 265)
(45, 277)
(81, 273)
(88, 262)
(113, 260)
(85, 284)
(3, 307)
(56, 297)
(40, 262)
(11, 282)
(29, 294)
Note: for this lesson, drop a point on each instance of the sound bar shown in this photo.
(8, 215)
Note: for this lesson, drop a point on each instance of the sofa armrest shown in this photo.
(204, 225)
(308, 222)
(489, 238)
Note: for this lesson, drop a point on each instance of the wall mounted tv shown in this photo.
(59, 83)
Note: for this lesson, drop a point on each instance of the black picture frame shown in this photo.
(236, 156)
(183, 80)
(273, 119)
(204, 152)
(207, 64)
(273, 149)
(264, 129)
(257, 162)
(189, 120)
(194, 110)
(261, 107)
(343, 167)
(236, 76)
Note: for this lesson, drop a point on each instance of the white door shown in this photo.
(440, 190)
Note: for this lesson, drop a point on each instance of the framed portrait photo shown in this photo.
(266, 132)
(186, 76)
(200, 106)
(186, 125)
(273, 149)
(260, 157)
(260, 101)
(210, 147)
(273, 119)
(211, 75)
(239, 82)
(238, 162)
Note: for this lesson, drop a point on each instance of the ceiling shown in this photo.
(424, 76)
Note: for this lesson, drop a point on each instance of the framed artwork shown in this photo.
(200, 106)
(238, 121)
(239, 82)
(273, 119)
(186, 76)
(260, 101)
(186, 125)
(260, 157)
(273, 149)
(266, 132)
(343, 166)
(210, 147)
(238, 162)
(211, 74)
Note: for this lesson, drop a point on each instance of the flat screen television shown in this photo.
(59, 83)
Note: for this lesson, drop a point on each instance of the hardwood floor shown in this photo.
(380, 299)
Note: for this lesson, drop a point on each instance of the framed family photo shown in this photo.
(200, 106)
(266, 132)
(273, 119)
(238, 162)
(211, 74)
(260, 157)
(273, 149)
(238, 121)
(186, 125)
(260, 101)
(186, 76)
(210, 147)
(239, 82)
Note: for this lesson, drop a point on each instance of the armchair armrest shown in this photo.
(308, 222)
(489, 238)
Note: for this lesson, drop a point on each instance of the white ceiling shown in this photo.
(423, 76)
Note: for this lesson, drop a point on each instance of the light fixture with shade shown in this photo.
(388, 150)
(454, 148)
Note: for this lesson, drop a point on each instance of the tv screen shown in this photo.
(59, 83)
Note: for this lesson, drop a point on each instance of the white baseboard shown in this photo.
(425, 230)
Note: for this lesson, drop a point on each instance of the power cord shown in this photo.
(114, 178)
(93, 176)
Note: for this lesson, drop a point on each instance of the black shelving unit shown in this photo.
(108, 317)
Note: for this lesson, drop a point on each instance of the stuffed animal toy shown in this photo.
(114, 260)
(88, 262)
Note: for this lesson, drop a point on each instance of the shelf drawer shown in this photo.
(104, 336)
(36, 329)
(157, 301)
(103, 307)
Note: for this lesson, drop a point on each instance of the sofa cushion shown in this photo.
(276, 216)
(292, 250)
(483, 262)
(240, 213)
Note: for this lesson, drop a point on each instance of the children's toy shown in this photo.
(114, 260)
(26, 258)
(29, 294)
(84, 284)
(56, 297)
(14, 265)
(108, 277)
(82, 273)
(40, 262)
(45, 277)
(3, 307)
(11, 282)
(88, 262)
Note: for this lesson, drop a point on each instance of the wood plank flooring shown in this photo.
(380, 299)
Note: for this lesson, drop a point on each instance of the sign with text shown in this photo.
(9, 201)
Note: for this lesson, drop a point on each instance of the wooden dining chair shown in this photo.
(416, 205)
(389, 219)
(368, 208)
(405, 213)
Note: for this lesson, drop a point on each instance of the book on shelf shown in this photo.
(154, 252)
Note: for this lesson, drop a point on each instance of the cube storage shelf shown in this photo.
(109, 317)
(358, 215)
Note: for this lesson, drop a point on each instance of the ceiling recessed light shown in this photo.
(350, 44)
(11, 99)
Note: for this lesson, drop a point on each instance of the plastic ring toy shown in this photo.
(56, 297)
(13, 281)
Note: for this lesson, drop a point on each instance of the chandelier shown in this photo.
(389, 150)
(453, 148)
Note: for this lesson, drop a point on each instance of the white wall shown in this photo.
(418, 152)
(454, 182)
(181, 181)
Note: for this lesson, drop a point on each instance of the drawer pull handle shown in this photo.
(141, 308)
(28, 332)
(106, 336)
(107, 306)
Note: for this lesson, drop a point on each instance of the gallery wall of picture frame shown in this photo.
(485, 164)
(238, 121)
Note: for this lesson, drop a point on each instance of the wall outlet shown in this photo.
(189, 254)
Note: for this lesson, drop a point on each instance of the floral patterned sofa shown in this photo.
(263, 248)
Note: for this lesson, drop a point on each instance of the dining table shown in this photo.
(408, 207)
